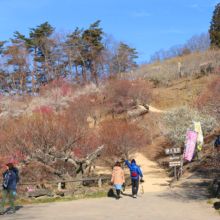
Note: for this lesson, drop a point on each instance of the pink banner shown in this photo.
(190, 145)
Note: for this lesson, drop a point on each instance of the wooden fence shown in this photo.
(59, 182)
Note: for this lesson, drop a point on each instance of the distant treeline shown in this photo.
(84, 56)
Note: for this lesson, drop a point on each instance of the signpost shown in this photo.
(174, 163)
(174, 158)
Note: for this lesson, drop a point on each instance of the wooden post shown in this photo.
(174, 160)
(59, 186)
(100, 182)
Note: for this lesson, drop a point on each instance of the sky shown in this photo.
(147, 25)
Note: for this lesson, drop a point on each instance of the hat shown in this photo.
(133, 161)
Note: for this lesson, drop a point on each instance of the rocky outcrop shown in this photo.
(40, 192)
(91, 191)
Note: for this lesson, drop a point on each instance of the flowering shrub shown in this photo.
(43, 110)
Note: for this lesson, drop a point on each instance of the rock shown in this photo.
(69, 193)
(103, 190)
(23, 195)
(42, 197)
(215, 200)
(78, 194)
(82, 189)
(90, 191)
(70, 185)
(60, 193)
(40, 192)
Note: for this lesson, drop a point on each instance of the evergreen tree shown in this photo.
(93, 45)
(125, 58)
(214, 30)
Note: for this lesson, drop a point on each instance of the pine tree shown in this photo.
(214, 30)
(93, 44)
(125, 58)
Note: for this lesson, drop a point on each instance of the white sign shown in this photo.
(175, 163)
(173, 151)
(174, 158)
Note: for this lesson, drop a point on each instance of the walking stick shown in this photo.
(141, 187)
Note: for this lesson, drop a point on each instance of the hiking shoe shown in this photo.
(11, 212)
(117, 197)
(135, 196)
(1, 212)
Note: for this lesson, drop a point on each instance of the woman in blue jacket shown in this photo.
(9, 188)
(135, 172)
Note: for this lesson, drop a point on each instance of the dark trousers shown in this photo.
(135, 185)
(118, 192)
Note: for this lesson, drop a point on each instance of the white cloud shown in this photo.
(194, 6)
(140, 14)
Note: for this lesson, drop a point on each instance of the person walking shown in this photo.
(135, 172)
(118, 178)
(217, 142)
(9, 187)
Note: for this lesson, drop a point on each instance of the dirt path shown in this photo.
(155, 177)
(152, 109)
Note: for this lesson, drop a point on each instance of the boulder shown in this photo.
(42, 197)
(90, 191)
(82, 189)
(70, 192)
(40, 192)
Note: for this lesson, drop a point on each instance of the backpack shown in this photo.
(16, 172)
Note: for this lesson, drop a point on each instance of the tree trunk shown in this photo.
(77, 75)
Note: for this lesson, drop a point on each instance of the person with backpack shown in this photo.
(10, 179)
(118, 178)
(217, 142)
(135, 172)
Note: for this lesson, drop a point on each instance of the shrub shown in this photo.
(178, 120)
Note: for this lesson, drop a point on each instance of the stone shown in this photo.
(42, 197)
(68, 193)
(78, 194)
(23, 195)
(82, 189)
(103, 190)
(40, 192)
(215, 200)
(90, 191)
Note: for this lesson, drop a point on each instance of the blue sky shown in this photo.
(148, 25)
